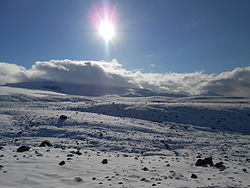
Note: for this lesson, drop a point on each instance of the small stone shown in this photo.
(194, 176)
(78, 179)
(1, 166)
(63, 117)
(23, 148)
(62, 163)
(120, 183)
(78, 152)
(145, 169)
(219, 165)
(244, 170)
(45, 143)
(105, 161)
(93, 178)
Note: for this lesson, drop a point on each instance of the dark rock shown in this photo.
(1, 166)
(120, 183)
(203, 162)
(93, 178)
(209, 161)
(62, 163)
(63, 117)
(219, 165)
(23, 149)
(199, 162)
(105, 161)
(194, 176)
(78, 152)
(45, 143)
(145, 169)
(1, 147)
(38, 154)
(244, 170)
(78, 179)
(153, 184)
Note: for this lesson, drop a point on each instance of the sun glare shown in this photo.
(106, 30)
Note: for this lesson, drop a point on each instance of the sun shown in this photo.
(106, 30)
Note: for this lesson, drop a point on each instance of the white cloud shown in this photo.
(8, 72)
(234, 83)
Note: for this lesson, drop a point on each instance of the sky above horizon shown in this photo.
(151, 36)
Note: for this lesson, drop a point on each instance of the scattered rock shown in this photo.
(105, 161)
(244, 169)
(62, 163)
(194, 176)
(145, 169)
(203, 162)
(219, 165)
(209, 161)
(23, 149)
(78, 179)
(63, 117)
(38, 154)
(78, 152)
(45, 143)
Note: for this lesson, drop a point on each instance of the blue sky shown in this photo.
(174, 35)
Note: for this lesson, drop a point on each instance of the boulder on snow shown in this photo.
(45, 143)
(62, 163)
(194, 176)
(203, 162)
(219, 165)
(23, 149)
(105, 161)
(63, 117)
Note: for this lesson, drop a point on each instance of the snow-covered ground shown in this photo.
(147, 141)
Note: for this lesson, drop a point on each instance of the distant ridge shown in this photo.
(89, 90)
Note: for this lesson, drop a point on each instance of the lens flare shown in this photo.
(106, 30)
(103, 16)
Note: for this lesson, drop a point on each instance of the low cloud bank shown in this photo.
(234, 83)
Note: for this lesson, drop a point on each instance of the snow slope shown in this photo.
(148, 141)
